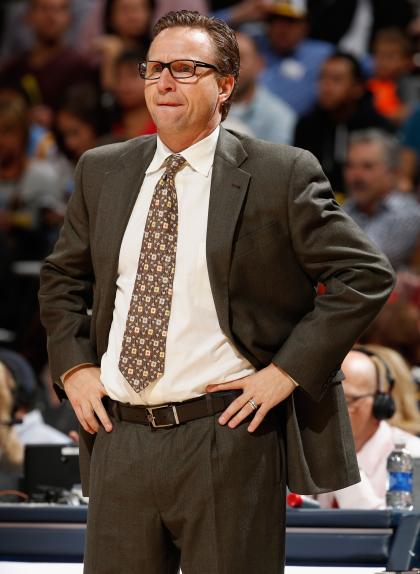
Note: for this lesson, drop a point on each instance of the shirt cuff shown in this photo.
(73, 370)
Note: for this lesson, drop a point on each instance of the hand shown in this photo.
(267, 388)
(85, 391)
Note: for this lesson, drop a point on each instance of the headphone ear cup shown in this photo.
(383, 406)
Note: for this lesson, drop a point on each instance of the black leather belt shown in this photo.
(171, 414)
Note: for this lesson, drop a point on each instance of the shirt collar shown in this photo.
(199, 156)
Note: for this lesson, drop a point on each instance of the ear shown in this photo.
(226, 85)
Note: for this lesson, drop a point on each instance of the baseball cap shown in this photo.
(288, 8)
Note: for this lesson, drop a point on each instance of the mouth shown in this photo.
(168, 105)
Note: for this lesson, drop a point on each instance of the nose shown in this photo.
(166, 82)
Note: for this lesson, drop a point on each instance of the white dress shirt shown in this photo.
(370, 492)
(197, 351)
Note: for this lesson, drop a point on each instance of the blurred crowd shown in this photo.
(340, 78)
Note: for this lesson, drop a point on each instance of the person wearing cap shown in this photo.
(208, 372)
(292, 60)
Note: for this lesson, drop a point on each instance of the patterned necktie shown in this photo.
(142, 358)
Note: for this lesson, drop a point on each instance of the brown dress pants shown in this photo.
(200, 496)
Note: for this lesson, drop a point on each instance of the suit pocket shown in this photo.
(256, 239)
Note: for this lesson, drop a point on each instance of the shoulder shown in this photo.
(107, 155)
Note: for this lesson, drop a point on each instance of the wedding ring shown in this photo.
(253, 404)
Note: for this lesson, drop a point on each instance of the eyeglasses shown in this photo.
(179, 69)
(351, 400)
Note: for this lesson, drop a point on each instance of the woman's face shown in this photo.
(78, 136)
(131, 18)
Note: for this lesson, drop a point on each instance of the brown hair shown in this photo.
(221, 35)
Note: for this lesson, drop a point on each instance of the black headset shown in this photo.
(383, 403)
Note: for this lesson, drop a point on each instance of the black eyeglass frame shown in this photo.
(197, 64)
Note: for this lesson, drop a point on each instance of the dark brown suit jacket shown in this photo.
(274, 232)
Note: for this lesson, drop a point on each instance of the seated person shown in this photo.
(21, 422)
(367, 388)
(391, 219)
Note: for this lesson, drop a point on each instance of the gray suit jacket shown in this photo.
(274, 232)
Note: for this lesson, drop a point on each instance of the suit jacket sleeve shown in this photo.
(333, 250)
(67, 282)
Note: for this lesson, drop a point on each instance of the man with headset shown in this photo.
(367, 388)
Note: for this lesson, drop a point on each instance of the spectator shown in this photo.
(293, 60)
(21, 422)
(79, 123)
(32, 428)
(367, 391)
(30, 195)
(390, 218)
(355, 22)
(126, 27)
(410, 151)
(392, 62)
(46, 71)
(11, 449)
(133, 116)
(267, 116)
(343, 106)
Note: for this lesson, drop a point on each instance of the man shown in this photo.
(343, 106)
(293, 60)
(221, 334)
(50, 67)
(374, 438)
(390, 218)
(268, 117)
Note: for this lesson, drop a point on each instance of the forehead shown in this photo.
(181, 42)
(366, 151)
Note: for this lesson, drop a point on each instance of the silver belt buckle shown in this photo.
(152, 420)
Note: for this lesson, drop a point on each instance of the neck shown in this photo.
(344, 112)
(367, 434)
(178, 142)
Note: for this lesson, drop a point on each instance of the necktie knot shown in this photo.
(174, 164)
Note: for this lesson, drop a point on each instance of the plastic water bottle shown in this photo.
(399, 465)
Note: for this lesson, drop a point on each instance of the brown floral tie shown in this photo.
(142, 358)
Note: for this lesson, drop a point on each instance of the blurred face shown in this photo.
(78, 136)
(12, 141)
(50, 19)
(130, 18)
(336, 85)
(368, 179)
(390, 61)
(286, 33)
(251, 64)
(359, 389)
(187, 110)
(129, 88)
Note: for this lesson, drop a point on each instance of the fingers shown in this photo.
(85, 391)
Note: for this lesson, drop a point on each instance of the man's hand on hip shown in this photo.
(85, 391)
(260, 392)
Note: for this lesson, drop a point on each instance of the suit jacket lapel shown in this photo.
(122, 185)
(228, 191)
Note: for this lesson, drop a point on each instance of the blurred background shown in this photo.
(340, 78)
